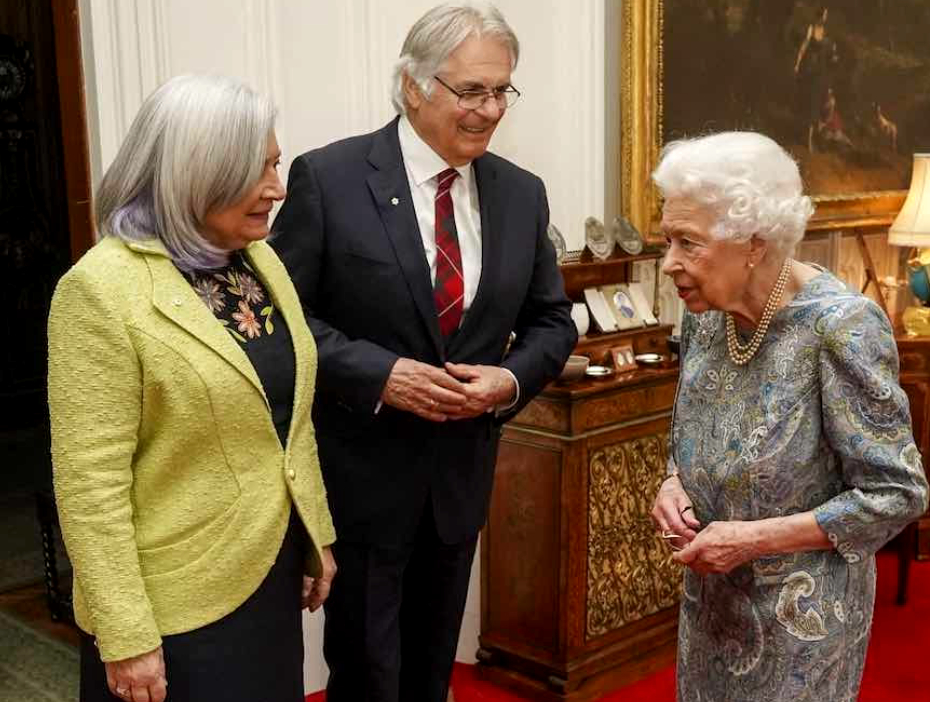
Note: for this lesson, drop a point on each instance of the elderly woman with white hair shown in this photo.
(181, 377)
(791, 459)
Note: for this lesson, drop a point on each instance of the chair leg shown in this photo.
(59, 606)
(907, 545)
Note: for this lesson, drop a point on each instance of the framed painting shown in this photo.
(843, 86)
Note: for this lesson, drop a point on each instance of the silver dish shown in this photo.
(598, 371)
(650, 359)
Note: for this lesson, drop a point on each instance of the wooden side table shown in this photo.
(914, 354)
(579, 595)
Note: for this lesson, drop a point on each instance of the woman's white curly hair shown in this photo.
(750, 183)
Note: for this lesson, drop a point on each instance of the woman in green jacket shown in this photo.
(181, 376)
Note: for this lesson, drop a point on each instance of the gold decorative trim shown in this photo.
(630, 571)
(641, 111)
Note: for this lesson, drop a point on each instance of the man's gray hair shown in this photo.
(198, 144)
(437, 34)
(750, 183)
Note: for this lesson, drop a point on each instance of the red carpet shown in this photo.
(897, 668)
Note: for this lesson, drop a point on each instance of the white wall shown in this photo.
(327, 66)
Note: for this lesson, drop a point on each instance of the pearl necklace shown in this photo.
(741, 355)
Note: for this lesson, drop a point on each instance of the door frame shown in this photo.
(73, 105)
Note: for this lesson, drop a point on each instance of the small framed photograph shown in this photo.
(623, 357)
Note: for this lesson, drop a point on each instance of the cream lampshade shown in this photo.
(912, 228)
(912, 225)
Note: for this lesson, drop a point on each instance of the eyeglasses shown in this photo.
(475, 99)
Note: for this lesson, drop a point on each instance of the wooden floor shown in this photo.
(28, 604)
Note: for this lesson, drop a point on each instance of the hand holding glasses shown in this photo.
(670, 536)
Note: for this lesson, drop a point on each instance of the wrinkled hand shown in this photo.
(673, 514)
(316, 590)
(720, 547)
(140, 678)
(425, 390)
(486, 388)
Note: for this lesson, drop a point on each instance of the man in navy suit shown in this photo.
(416, 254)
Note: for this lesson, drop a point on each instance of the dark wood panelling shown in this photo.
(34, 227)
(914, 355)
(75, 151)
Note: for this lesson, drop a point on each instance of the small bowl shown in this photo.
(574, 368)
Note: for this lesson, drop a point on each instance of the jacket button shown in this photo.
(291, 473)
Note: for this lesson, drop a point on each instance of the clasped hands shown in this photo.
(456, 391)
(717, 548)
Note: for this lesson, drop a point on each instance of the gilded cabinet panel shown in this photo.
(630, 571)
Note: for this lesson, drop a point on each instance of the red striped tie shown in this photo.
(449, 290)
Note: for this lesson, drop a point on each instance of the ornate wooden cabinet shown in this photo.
(914, 353)
(579, 594)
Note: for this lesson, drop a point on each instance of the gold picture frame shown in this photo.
(641, 110)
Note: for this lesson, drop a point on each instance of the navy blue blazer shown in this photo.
(348, 234)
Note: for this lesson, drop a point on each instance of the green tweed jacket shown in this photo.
(173, 489)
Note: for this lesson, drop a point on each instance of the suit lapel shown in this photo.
(491, 212)
(174, 297)
(391, 192)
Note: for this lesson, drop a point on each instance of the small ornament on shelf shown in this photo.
(627, 236)
(599, 241)
(624, 359)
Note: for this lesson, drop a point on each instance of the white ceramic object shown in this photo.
(581, 318)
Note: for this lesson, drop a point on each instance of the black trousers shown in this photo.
(254, 654)
(393, 618)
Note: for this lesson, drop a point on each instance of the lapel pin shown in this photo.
(395, 201)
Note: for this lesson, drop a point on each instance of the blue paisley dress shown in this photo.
(815, 421)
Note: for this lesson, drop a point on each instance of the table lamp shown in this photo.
(912, 228)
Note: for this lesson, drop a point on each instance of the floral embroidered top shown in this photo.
(236, 296)
(815, 421)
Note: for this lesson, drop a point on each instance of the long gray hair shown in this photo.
(437, 34)
(197, 144)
